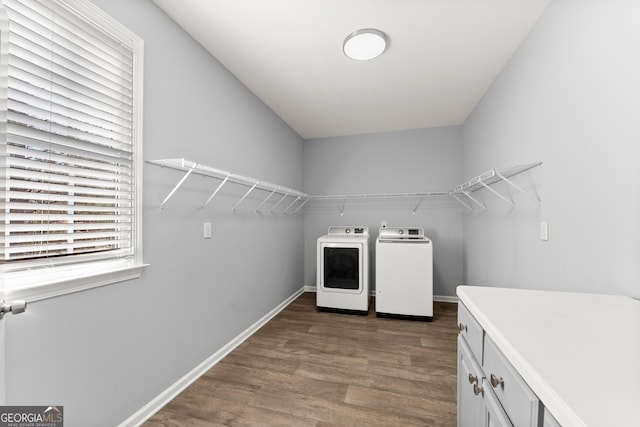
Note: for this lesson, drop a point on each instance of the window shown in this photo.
(70, 148)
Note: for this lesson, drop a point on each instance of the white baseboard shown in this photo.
(438, 298)
(170, 393)
(445, 298)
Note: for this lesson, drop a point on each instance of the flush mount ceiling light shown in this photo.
(365, 44)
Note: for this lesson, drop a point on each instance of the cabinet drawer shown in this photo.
(519, 402)
(471, 331)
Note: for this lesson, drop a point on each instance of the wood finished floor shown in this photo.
(308, 368)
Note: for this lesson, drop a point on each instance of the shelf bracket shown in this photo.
(520, 189)
(265, 200)
(461, 202)
(498, 194)
(301, 205)
(178, 185)
(417, 206)
(279, 201)
(244, 197)
(344, 202)
(466, 193)
(224, 181)
(291, 205)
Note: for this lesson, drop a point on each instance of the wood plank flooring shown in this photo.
(309, 368)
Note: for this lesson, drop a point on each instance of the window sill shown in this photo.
(37, 285)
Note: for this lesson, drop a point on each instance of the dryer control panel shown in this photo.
(348, 231)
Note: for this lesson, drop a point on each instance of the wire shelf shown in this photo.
(463, 193)
(280, 192)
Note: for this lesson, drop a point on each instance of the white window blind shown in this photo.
(69, 140)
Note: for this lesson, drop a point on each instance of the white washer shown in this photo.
(343, 270)
(404, 274)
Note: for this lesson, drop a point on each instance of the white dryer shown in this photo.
(404, 274)
(343, 270)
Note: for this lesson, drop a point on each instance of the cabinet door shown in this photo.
(470, 413)
(494, 415)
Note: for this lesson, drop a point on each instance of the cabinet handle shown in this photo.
(473, 379)
(462, 327)
(477, 389)
(495, 381)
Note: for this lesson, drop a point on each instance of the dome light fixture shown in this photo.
(365, 44)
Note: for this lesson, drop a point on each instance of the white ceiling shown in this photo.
(443, 56)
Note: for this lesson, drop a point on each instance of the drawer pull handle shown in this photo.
(462, 327)
(495, 381)
(473, 379)
(477, 390)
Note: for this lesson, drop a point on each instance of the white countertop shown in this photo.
(579, 353)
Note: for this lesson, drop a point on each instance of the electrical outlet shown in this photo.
(207, 230)
(544, 230)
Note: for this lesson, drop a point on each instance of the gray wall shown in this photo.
(394, 162)
(105, 353)
(570, 97)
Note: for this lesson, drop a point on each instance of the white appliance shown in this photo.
(404, 274)
(343, 270)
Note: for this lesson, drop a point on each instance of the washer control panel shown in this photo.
(401, 233)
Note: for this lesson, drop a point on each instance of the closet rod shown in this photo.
(379, 196)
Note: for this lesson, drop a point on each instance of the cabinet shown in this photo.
(477, 404)
(576, 354)
(490, 391)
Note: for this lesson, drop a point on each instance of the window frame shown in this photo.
(81, 273)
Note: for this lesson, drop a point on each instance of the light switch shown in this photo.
(544, 230)
(207, 230)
